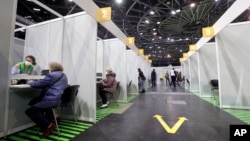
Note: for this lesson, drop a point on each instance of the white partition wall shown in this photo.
(7, 26)
(44, 42)
(79, 59)
(208, 68)
(187, 69)
(194, 73)
(17, 51)
(132, 71)
(115, 57)
(99, 56)
(233, 57)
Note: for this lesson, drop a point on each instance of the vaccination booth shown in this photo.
(59, 40)
(208, 68)
(194, 73)
(233, 69)
(132, 72)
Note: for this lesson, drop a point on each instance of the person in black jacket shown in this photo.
(153, 78)
(141, 80)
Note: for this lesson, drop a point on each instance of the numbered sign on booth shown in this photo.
(130, 41)
(104, 14)
(208, 32)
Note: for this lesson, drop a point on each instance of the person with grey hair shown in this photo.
(52, 86)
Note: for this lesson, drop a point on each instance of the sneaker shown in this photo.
(104, 106)
(48, 130)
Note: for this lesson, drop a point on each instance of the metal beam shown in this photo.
(47, 8)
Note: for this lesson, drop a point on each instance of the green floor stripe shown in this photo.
(66, 135)
(58, 138)
(69, 131)
(130, 97)
(72, 125)
(32, 137)
(71, 128)
(16, 138)
(241, 114)
(77, 123)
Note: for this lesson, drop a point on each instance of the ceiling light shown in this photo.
(153, 39)
(118, 1)
(36, 9)
(146, 21)
(160, 37)
(181, 50)
(152, 12)
(70, 0)
(154, 29)
(158, 22)
(155, 33)
(173, 12)
(178, 10)
(192, 5)
(141, 33)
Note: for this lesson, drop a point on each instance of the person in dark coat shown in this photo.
(141, 79)
(153, 78)
(53, 86)
(108, 85)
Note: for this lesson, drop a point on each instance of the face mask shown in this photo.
(27, 63)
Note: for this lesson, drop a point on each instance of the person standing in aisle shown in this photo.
(153, 78)
(141, 80)
(167, 79)
(173, 77)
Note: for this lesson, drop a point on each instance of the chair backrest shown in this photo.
(117, 85)
(214, 83)
(130, 82)
(44, 72)
(69, 95)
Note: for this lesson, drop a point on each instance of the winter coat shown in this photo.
(109, 82)
(53, 84)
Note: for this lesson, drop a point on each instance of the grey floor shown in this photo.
(204, 122)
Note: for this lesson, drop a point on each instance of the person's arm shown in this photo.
(41, 83)
(109, 82)
(15, 69)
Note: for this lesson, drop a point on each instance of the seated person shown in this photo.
(26, 67)
(108, 85)
(53, 86)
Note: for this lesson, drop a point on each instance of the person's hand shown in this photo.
(13, 82)
(29, 81)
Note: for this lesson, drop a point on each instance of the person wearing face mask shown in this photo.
(25, 67)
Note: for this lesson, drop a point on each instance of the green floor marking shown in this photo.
(32, 137)
(15, 138)
(70, 128)
(241, 114)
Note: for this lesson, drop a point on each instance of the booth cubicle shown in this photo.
(132, 72)
(194, 73)
(59, 40)
(233, 65)
(208, 68)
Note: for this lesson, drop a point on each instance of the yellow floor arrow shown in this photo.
(167, 128)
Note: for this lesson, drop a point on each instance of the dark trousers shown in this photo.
(103, 96)
(167, 81)
(42, 117)
(173, 79)
(153, 81)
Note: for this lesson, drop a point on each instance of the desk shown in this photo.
(20, 86)
(19, 97)
(22, 76)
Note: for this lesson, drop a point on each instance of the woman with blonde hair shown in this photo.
(108, 85)
(52, 87)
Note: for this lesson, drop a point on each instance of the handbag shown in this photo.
(39, 98)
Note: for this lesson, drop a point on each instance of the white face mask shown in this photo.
(27, 63)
